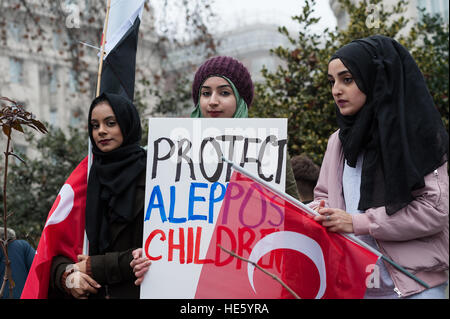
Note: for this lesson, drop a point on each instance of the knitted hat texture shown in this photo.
(229, 68)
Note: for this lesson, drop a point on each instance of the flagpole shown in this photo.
(97, 93)
(311, 211)
(102, 52)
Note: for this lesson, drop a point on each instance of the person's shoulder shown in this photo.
(335, 134)
(334, 138)
(19, 244)
(22, 242)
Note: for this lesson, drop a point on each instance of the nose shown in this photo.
(213, 100)
(102, 129)
(336, 89)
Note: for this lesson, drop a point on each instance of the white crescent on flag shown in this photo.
(294, 241)
(64, 207)
(64, 237)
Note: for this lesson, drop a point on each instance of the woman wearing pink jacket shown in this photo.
(384, 174)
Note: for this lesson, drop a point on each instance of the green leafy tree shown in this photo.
(33, 186)
(299, 89)
(432, 55)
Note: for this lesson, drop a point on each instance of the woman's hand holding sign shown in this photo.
(140, 265)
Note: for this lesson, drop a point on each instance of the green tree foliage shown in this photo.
(432, 56)
(33, 187)
(299, 89)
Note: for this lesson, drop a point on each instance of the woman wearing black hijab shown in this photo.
(384, 175)
(114, 207)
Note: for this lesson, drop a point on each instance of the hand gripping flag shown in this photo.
(119, 67)
(63, 232)
(283, 239)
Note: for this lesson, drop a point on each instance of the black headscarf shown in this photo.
(111, 184)
(399, 130)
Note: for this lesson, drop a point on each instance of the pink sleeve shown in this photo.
(321, 189)
(426, 215)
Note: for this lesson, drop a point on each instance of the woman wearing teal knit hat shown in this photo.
(223, 88)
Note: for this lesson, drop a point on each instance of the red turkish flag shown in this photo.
(283, 239)
(63, 233)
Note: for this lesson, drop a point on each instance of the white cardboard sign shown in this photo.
(185, 185)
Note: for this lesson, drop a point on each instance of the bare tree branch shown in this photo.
(33, 17)
(292, 292)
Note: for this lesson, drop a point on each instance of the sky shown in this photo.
(235, 12)
(231, 14)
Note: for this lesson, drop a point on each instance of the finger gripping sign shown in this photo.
(187, 205)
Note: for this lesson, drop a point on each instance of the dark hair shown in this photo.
(304, 168)
(306, 174)
(99, 99)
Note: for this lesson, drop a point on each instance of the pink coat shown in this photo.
(415, 237)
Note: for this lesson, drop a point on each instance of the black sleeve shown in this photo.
(112, 268)
(59, 266)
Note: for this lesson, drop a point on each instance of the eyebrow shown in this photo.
(219, 87)
(340, 73)
(112, 117)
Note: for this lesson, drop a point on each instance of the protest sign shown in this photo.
(186, 185)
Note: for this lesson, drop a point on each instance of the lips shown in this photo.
(105, 142)
(341, 102)
(214, 113)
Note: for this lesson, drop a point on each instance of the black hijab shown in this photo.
(399, 130)
(111, 184)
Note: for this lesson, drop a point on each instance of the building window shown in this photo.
(435, 7)
(53, 84)
(73, 81)
(93, 84)
(56, 41)
(445, 10)
(15, 31)
(16, 70)
(76, 117)
(53, 118)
